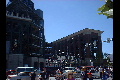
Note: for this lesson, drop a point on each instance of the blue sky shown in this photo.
(64, 17)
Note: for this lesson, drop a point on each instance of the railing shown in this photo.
(17, 17)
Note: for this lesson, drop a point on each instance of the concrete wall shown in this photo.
(35, 59)
(14, 60)
(7, 47)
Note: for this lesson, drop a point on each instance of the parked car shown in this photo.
(69, 69)
(24, 69)
(20, 76)
(10, 72)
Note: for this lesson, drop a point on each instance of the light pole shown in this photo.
(56, 63)
(90, 62)
(108, 40)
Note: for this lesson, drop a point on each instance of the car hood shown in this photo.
(12, 75)
(69, 70)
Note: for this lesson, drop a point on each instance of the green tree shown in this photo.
(107, 9)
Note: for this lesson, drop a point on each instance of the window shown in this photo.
(29, 69)
(21, 69)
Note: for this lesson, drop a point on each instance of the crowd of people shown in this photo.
(86, 73)
(44, 75)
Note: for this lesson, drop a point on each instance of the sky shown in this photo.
(65, 17)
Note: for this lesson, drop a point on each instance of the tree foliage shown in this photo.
(107, 9)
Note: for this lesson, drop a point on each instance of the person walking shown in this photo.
(45, 74)
(33, 76)
(70, 76)
(85, 76)
(57, 77)
(89, 76)
(100, 70)
(105, 76)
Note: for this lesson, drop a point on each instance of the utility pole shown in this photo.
(106, 54)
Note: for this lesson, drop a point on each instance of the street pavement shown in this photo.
(53, 78)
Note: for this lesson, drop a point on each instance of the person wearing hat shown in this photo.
(70, 76)
(89, 76)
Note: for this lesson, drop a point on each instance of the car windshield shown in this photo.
(25, 69)
(29, 69)
(20, 69)
(12, 71)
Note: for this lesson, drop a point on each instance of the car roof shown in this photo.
(25, 67)
(69, 67)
